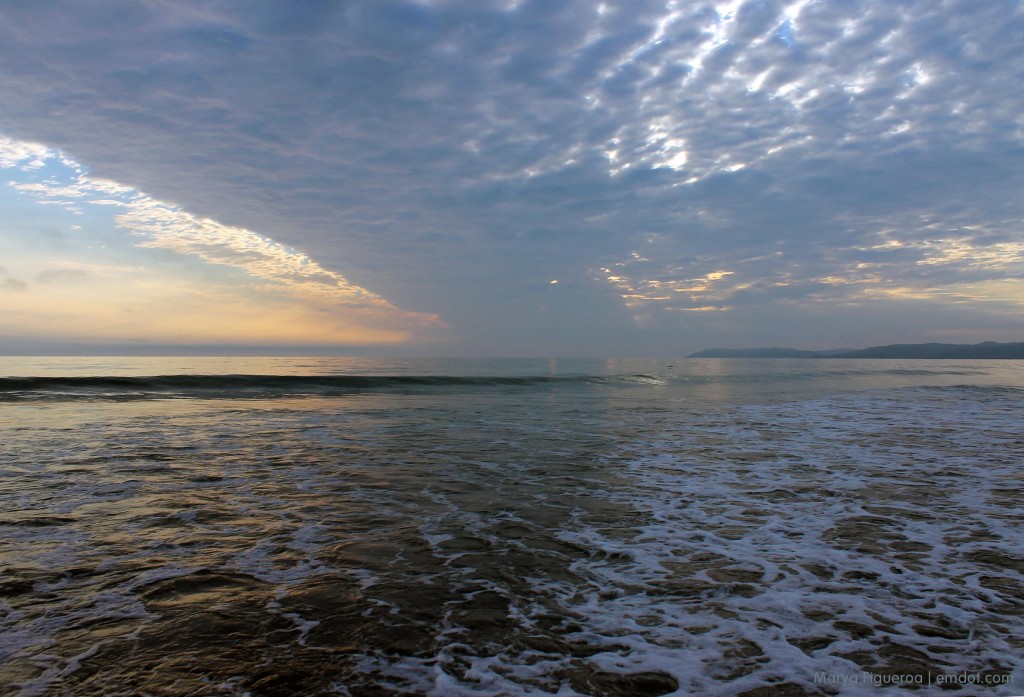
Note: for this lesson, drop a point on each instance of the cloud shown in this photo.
(10, 283)
(271, 266)
(14, 285)
(448, 155)
(28, 155)
(65, 275)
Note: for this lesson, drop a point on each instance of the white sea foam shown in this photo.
(530, 542)
(838, 539)
(751, 504)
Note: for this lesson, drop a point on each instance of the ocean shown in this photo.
(356, 526)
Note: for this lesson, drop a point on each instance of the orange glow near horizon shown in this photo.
(127, 267)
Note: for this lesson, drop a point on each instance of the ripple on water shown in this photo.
(460, 548)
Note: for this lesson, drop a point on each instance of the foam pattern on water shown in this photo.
(512, 543)
(879, 533)
(802, 548)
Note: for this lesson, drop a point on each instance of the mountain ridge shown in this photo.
(985, 349)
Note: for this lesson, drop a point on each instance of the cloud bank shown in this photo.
(690, 172)
(286, 281)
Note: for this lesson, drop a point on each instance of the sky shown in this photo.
(509, 177)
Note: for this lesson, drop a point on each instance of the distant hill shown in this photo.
(774, 352)
(986, 349)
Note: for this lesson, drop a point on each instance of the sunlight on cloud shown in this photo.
(1006, 293)
(670, 152)
(283, 295)
(690, 294)
(660, 136)
(1009, 291)
(942, 261)
(712, 89)
(27, 155)
(961, 251)
(168, 227)
(753, 84)
(953, 270)
(703, 308)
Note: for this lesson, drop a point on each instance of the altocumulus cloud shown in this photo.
(684, 168)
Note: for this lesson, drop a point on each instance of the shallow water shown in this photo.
(595, 528)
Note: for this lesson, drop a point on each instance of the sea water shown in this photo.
(307, 526)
